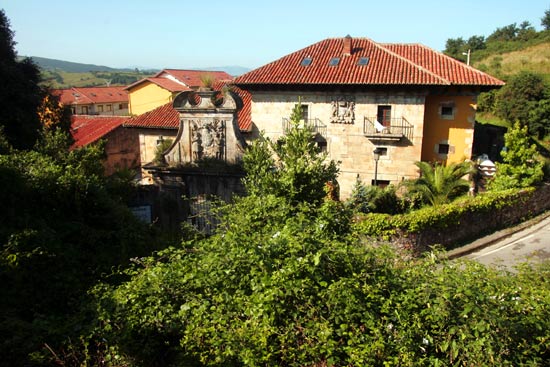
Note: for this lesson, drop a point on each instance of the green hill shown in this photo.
(72, 67)
(531, 58)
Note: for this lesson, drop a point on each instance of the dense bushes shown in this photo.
(276, 287)
(442, 217)
(286, 282)
(64, 226)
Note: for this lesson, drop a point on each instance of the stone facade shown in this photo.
(341, 117)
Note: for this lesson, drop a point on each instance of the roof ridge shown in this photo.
(419, 67)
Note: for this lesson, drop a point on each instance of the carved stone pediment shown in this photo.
(208, 128)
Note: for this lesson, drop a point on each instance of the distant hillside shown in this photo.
(71, 67)
(66, 74)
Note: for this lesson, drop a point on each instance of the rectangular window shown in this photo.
(443, 149)
(383, 115)
(100, 108)
(382, 151)
(304, 112)
(109, 107)
(381, 183)
(447, 110)
(84, 110)
(334, 61)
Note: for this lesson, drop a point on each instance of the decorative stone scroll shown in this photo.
(343, 110)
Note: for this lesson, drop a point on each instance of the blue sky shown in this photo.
(190, 34)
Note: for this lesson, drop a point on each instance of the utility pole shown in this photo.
(467, 54)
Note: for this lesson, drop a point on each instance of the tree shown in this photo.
(545, 20)
(439, 184)
(454, 47)
(20, 93)
(519, 168)
(519, 96)
(293, 167)
(507, 33)
(476, 43)
(374, 199)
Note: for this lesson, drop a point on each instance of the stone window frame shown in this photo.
(444, 107)
(450, 149)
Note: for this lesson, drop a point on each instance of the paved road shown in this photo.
(531, 244)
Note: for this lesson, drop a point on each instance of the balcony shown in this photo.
(398, 129)
(315, 124)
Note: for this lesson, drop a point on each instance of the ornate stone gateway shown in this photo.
(208, 129)
(203, 162)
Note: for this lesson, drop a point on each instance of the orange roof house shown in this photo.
(121, 145)
(95, 100)
(150, 93)
(406, 101)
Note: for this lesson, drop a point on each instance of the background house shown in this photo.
(407, 101)
(149, 93)
(150, 130)
(111, 101)
(121, 148)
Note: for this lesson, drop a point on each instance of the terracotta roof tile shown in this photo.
(92, 95)
(176, 80)
(87, 129)
(450, 69)
(163, 117)
(192, 78)
(385, 65)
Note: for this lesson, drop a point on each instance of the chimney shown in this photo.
(347, 45)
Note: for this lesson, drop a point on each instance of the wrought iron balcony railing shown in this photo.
(398, 129)
(315, 124)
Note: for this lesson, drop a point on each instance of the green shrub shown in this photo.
(442, 216)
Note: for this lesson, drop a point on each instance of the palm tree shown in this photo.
(439, 184)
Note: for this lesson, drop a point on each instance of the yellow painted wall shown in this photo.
(458, 132)
(146, 97)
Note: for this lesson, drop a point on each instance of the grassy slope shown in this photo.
(534, 58)
(68, 79)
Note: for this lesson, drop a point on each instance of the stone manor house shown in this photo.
(404, 102)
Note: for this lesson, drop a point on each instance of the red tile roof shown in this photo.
(87, 129)
(386, 64)
(168, 84)
(92, 95)
(192, 78)
(166, 117)
(244, 115)
(163, 117)
(176, 80)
